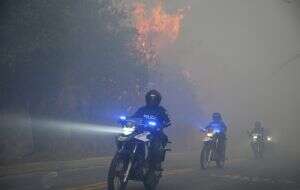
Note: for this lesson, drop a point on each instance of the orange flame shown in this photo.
(155, 29)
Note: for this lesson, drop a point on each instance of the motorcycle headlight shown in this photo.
(269, 138)
(209, 134)
(128, 130)
(255, 137)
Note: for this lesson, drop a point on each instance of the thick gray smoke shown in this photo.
(243, 58)
(71, 61)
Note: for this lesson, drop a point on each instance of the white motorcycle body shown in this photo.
(143, 136)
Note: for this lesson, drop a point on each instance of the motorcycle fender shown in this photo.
(143, 136)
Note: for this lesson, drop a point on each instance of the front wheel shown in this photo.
(260, 150)
(115, 179)
(205, 157)
(257, 150)
(220, 163)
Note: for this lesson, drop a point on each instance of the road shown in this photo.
(182, 172)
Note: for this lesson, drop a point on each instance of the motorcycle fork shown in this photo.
(210, 152)
(147, 145)
(210, 155)
(129, 165)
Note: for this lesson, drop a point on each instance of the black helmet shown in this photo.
(153, 98)
(216, 116)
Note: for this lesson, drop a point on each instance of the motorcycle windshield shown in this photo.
(143, 123)
(217, 130)
(135, 121)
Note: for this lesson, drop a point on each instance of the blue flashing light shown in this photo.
(216, 131)
(152, 123)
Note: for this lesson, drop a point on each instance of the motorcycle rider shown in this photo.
(218, 123)
(258, 129)
(153, 110)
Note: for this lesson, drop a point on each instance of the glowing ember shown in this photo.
(155, 30)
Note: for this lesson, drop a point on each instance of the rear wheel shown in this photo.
(116, 173)
(152, 179)
(220, 159)
(205, 157)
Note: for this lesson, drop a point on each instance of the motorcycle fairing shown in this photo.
(143, 136)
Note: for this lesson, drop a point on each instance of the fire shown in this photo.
(155, 29)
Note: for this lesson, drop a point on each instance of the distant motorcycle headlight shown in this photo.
(128, 130)
(255, 137)
(209, 134)
(269, 138)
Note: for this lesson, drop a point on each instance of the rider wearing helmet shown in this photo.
(258, 129)
(218, 123)
(153, 110)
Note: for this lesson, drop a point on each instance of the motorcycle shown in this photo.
(257, 144)
(131, 161)
(211, 151)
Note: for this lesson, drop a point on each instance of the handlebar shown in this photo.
(203, 130)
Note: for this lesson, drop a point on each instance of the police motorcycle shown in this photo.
(210, 151)
(131, 161)
(257, 144)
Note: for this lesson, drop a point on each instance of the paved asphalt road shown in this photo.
(182, 172)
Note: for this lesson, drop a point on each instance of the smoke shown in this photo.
(237, 58)
(242, 59)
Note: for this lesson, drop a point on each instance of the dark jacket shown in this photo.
(157, 113)
(220, 125)
(258, 130)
